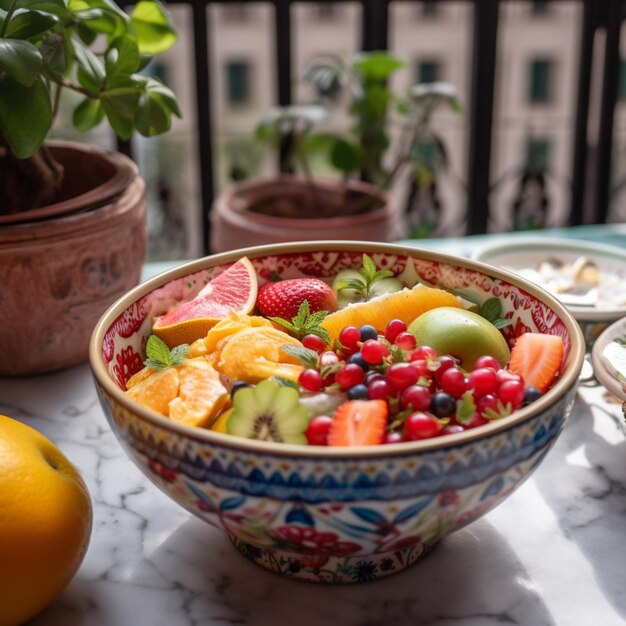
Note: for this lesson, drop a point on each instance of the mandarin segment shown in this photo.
(256, 353)
(156, 389)
(201, 395)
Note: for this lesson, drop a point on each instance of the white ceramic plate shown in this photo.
(527, 252)
(604, 372)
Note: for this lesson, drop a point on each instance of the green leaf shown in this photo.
(122, 57)
(99, 21)
(368, 269)
(54, 52)
(153, 26)
(305, 323)
(306, 356)
(467, 293)
(502, 323)
(285, 382)
(465, 408)
(21, 60)
(91, 72)
(88, 114)
(160, 356)
(25, 114)
(120, 105)
(346, 156)
(155, 107)
(378, 65)
(29, 24)
(491, 309)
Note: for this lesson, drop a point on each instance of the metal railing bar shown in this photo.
(485, 37)
(203, 115)
(610, 73)
(579, 163)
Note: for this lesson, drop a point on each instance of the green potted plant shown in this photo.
(390, 132)
(72, 215)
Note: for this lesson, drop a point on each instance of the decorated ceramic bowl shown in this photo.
(334, 515)
(595, 306)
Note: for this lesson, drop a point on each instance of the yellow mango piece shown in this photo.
(255, 353)
(201, 395)
(219, 425)
(156, 389)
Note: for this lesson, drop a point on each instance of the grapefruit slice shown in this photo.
(405, 305)
(232, 291)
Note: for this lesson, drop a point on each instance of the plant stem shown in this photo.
(8, 17)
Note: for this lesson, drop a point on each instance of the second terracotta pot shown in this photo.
(236, 222)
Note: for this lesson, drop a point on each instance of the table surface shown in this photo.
(551, 554)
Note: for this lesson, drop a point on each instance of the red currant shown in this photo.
(349, 376)
(453, 381)
(349, 338)
(445, 363)
(477, 420)
(328, 358)
(420, 425)
(310, 379)
(380, 389)
(314, 342)
(452, 429)
(373, 351)
(483, 381)
(415, 397)
(487, 361)
(511, 392)
(317, 430)
(394, 437)
(402, 375)
(487, 403)
(425, 352)
(405, 340)
(504, 375)
(421, 366)
(393, 329)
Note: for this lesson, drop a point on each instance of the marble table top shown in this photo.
(552, 554)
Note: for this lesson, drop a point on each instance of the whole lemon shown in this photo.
(45, 521)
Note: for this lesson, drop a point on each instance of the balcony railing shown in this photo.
(590, 166)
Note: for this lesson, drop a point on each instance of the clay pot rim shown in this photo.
(228, 196)
(125, 171)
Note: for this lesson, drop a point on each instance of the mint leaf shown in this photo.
(285, 382)
(491, 309)
(468, 294)
(368, 270)
(502, 323)
(306, 356)
(160, 356)
(305, 323)
(465, 408)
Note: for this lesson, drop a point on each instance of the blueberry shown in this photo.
(368, 332)
(442, 404)
(358, 359)
(240, 384)
(531, 394)
(358, 392)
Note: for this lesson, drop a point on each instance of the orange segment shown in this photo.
(201, 395)
(235, 289)
(155, 389)
(255, 353)
(230, 325)
(405, 305)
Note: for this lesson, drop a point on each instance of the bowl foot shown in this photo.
(325, 568)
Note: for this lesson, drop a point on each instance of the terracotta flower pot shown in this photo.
(59, 274)
(266, 211)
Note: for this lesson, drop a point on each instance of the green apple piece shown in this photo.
(346, 296)
(384, 286)
(460, 333)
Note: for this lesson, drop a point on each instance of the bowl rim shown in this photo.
(570, 379)
(585, 314)
(600, 370)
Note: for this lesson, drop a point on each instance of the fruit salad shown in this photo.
(361, 359)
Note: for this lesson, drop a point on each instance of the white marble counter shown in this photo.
(553, 553)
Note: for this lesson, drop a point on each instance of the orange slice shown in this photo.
(405, 305)
(234, 290)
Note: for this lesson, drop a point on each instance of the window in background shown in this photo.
(430, 8)
(235, 12)
(428, 71)
(541, 74)
(325, 11)
(540, 7)
(237, 82)
(538, 151)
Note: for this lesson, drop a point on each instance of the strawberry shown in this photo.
(537, 359)
(283, 298)
(358, 423)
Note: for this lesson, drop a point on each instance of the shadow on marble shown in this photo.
(587, 491)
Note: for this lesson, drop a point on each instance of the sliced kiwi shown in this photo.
(269, 412)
